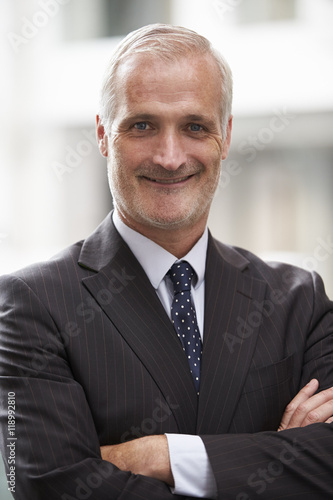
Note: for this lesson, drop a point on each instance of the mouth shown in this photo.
(169, 182)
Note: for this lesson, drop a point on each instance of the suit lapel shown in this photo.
(230, 336)
(124, 292)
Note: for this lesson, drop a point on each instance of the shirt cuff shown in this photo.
(190, 466)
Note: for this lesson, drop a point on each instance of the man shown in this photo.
(151, 361)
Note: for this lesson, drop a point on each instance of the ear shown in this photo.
(102, 137)
(227, 140)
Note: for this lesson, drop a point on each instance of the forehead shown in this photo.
(145, 78)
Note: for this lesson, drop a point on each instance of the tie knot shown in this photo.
(181, 274)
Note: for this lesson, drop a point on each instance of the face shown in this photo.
(165, 147)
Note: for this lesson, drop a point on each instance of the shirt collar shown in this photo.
(155, 260)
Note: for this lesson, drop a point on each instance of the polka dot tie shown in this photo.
(184, 318)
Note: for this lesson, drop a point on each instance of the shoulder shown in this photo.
(59, 268)
(275, 274)
(292, 287)
(71, 264)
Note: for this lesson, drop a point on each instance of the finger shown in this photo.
(321, 413)
(316, 409)
(304, 394)
(329, 420)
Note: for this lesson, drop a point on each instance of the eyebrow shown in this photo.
(140, 116)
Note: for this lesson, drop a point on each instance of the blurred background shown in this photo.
(276, 192)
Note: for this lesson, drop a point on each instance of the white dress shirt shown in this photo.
(189, 461)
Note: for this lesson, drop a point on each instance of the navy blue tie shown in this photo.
(184, 318)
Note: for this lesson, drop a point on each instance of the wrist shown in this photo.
(158, 464)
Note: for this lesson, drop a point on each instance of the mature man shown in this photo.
(151, 361)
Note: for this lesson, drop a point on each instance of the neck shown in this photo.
(177, 241)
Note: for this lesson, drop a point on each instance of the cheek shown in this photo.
(210, 150)
(213, 164)
(211, 158)
(217, 146)
(122, 160)
(130, 148)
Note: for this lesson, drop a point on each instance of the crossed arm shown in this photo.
(149, 456)
(59, 455)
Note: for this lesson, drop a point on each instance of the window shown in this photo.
(105, 18)
(254, 11)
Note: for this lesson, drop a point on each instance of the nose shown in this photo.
(169, 153)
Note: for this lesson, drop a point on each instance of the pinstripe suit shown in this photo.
(93, 360)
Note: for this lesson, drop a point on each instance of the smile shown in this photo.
(170, 181)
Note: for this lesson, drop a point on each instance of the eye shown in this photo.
(195, 127)
(141, 126)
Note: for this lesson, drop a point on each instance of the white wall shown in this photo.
(49, 100)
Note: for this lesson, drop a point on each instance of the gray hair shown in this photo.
(168, 42)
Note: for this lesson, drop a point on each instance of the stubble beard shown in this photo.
(140, 212)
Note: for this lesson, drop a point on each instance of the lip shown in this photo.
(169, 182)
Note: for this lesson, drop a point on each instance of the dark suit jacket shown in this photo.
(93, 359)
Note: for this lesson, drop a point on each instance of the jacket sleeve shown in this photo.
(49, 443)
(296, 463)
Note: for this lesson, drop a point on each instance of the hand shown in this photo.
(308, 408)
(148, 456)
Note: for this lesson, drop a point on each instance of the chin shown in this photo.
(170, 221)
